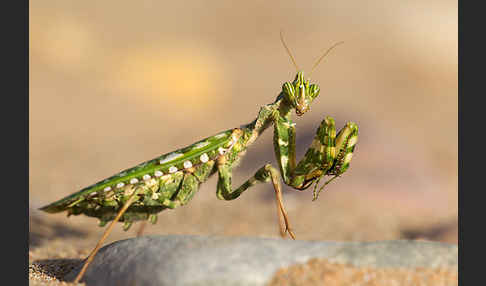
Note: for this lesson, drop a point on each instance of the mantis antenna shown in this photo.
(288, 51)
(327, 52)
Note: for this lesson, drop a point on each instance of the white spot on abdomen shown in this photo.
(201, 145)
(187, 164)
(170, 157)
(204, 158)
(172, 169)
(221, 151)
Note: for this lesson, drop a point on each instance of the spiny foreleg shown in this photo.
(345, 143)
(319, 157)
(328, 154)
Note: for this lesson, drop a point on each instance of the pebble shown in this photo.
(244, 261)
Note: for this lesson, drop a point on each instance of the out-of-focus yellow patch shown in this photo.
(185, 77)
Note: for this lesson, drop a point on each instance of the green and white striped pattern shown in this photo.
(171, 180)
(160, 178)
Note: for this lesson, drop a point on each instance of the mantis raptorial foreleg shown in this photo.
(322, 158)
(328, 154)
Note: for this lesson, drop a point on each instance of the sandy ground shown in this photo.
(321, 272)
(110, 88)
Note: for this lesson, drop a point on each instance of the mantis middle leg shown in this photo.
(264, 174)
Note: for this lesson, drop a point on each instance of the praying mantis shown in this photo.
(172, 179)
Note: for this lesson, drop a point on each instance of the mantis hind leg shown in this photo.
(185, 192)
(264, 174)
(108, 230)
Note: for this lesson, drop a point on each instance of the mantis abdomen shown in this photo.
(165, 182)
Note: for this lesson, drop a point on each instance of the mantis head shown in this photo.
(300, 94)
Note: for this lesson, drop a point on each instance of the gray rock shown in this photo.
(231, 261)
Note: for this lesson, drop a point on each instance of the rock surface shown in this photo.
(200, 260)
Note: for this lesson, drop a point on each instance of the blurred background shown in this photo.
(116, 83)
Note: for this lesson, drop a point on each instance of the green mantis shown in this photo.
(172, 179)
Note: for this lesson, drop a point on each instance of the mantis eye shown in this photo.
(289, 92)
(314, 91)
